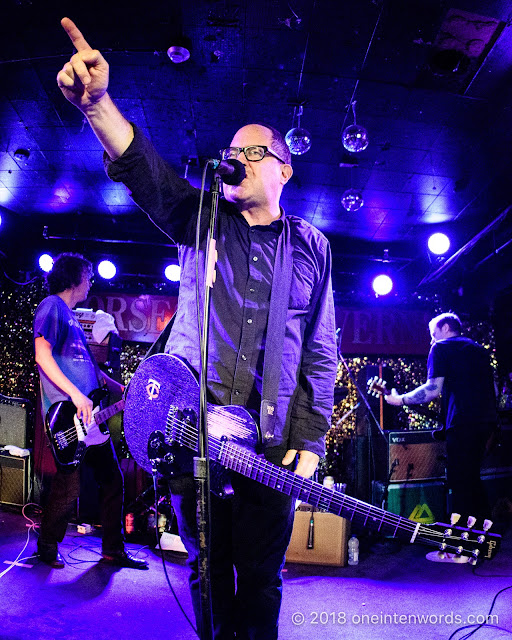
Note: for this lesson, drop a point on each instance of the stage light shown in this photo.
(382, 285)
(438, 243)
(107, 269)
(45, 262)
(172, 272)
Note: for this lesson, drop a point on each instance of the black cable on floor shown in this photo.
(484, 624)
(162, 556)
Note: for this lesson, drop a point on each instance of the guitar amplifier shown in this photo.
(14, 414)
(415, 455)
(14, 479)
(423, 502)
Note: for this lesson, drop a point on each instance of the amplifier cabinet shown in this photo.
(423, 502)
(330, 536)
(415, 455)
(14, 414)
(15, 479)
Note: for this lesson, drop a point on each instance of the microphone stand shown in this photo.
(370, 412)
(201, 461)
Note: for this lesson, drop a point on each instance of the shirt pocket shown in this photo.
(303, 282)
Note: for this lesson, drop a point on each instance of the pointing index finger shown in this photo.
(79, 42)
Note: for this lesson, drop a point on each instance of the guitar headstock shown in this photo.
(377, 387)
(461, 541)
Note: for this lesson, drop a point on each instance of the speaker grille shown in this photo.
(14, 422)
(415, 455)
(14, 479)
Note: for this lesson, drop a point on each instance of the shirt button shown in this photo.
(251, 290)
(255, 259)
(244, 357)
(249, 321)
(237, 392)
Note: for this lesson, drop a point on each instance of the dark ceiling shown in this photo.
(440, 135)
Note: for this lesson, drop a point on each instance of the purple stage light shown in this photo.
(107, 269)
(172, 272)
(438, 243)
(382, 285)
(45, 262)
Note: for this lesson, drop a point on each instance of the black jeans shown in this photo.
(250, 532)
(465, 449)
(65, 489)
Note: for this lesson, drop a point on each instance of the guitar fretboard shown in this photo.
(108, 412)
(246, 463)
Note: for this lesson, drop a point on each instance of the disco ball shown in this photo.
(352, 200)
(298, 141)
(355, 138)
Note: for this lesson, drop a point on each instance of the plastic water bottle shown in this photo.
(353, 551)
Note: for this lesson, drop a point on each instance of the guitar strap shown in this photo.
(158, 345)
(279, 300)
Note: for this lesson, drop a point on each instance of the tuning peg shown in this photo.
(487, 525)
(454, 518)
(472, 561)
(471, 521)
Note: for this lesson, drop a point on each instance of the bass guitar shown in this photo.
(161, 411)
(70, 437)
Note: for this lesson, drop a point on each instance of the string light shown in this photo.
(298, 139)
(19, 378)
(355, 137)
(352, 200)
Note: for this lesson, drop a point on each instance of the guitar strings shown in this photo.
(272, 472)
(72, 431)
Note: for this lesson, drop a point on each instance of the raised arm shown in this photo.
(84, 82)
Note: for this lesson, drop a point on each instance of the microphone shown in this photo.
(231, 171)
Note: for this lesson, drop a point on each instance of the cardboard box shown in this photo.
(330, 537)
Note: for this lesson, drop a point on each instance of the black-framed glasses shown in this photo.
(253, 153)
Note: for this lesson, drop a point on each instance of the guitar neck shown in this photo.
(108, 412)
(311, 492)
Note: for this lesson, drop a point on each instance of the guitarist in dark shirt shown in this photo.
(68, 371)
(459, 369)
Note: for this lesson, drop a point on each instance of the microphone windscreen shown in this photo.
(238, 174)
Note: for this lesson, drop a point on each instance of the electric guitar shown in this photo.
(377, 387)
(70, 437)
(161, 411)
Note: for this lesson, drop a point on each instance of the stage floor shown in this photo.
(393, 593)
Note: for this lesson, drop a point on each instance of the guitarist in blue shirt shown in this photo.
(68, 371)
